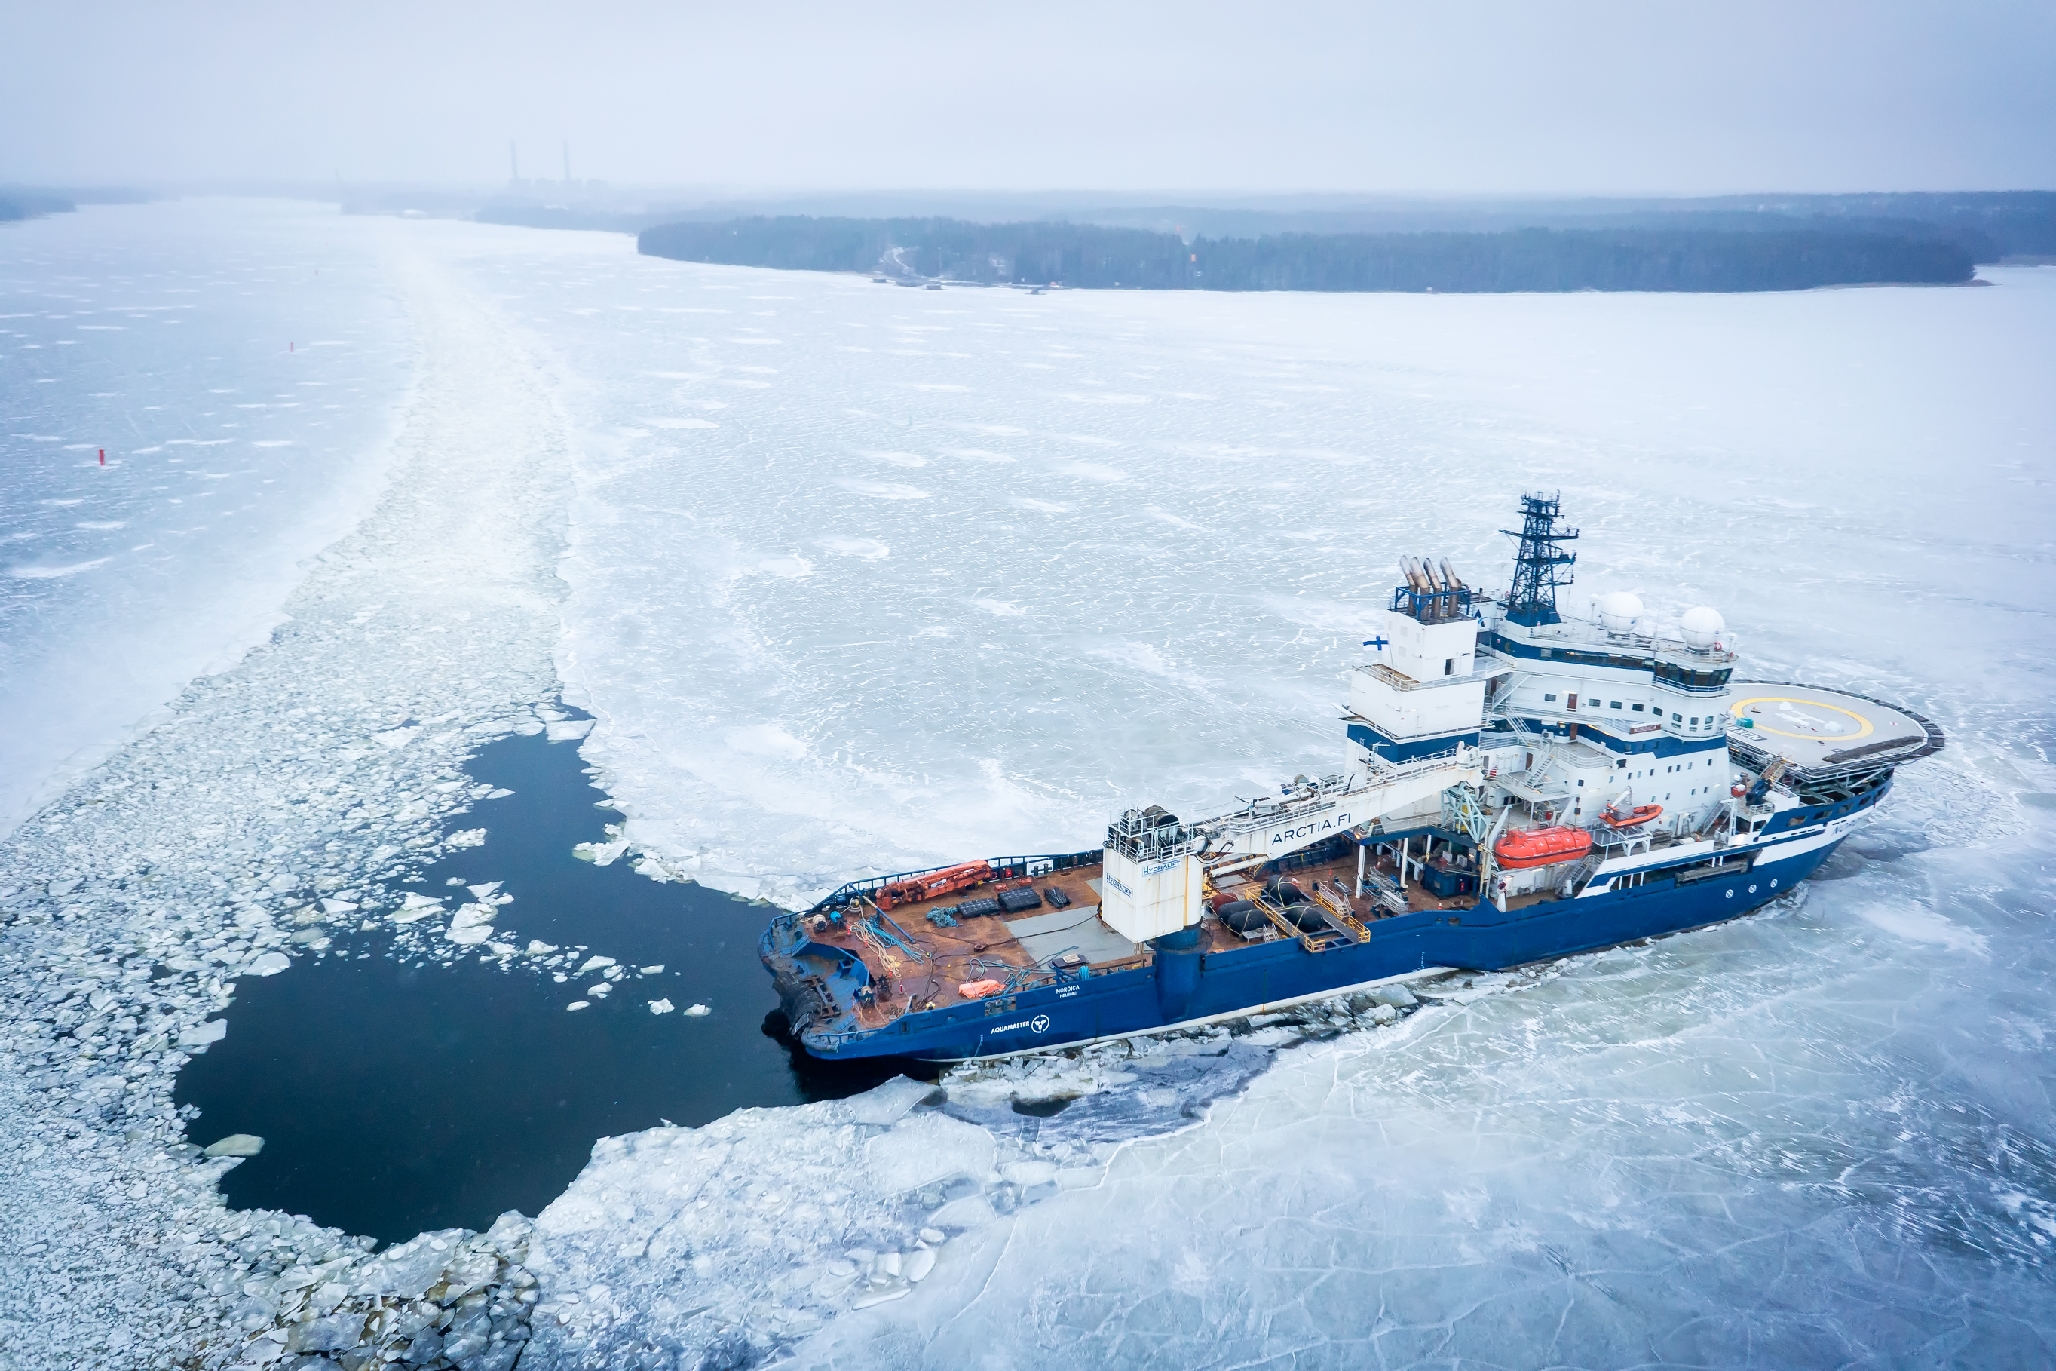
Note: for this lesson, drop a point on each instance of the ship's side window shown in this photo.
(1636, 707)
(1613, 704)
(1449, 666)
(1550, 698)
(1674, 716)
(1695, 721)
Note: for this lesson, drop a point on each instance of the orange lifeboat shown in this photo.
(1541, 847)
(1633, 818)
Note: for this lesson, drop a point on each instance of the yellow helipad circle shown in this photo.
(1793, 714)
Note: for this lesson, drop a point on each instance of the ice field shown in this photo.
(855, 578)
(239, 385)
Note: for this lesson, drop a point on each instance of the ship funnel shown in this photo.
(1450, 579)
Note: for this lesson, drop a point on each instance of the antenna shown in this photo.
(1539, 564)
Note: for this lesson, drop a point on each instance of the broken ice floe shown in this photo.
(787, 1218)
(660, 1006)
(235, 1145)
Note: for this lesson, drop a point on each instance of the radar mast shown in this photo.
(1540, 563)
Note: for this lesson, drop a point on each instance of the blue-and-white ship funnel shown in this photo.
(1420, 695)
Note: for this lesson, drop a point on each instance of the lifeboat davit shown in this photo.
(1541, 847)
(1633, 818)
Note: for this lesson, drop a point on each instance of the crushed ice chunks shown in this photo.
(269, 963)
(568, 730)
(466, 837)
(445, 1298)
(417, 907)
(471, 924)
(600, 990)
(538, 948)
(698, 1011)
(338, 906)
(656, 970)
(739, 1208)
(593, 964)
(660, 1006)
(236, 1145)
(577, 1005)
(199, 1035)
(484, 891)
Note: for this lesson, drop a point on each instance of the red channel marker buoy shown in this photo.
(103, 456)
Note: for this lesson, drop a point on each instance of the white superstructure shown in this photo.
(1507, 732)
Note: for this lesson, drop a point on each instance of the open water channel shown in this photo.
(396, 1095)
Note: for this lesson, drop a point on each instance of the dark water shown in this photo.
(396, 1098)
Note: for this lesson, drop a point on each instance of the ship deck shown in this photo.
(1001, 945)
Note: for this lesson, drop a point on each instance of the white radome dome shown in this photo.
(1617, 610)
(1701, 626)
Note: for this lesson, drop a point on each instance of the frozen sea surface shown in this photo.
(865, 578)
(238, 363)
(859, 577)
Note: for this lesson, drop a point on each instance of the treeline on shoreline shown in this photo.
(1792, 256)
(18, 203)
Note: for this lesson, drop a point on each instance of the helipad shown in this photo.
(1813, 727)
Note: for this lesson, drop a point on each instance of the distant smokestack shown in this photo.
(513, 165)
(567, 161)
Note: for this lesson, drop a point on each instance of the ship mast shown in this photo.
(1540, 565)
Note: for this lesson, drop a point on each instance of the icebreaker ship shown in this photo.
(1518, 785)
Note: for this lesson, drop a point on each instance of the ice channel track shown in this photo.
(132, 904)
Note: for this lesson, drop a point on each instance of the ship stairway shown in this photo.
(1583, 870)
(1380, 891)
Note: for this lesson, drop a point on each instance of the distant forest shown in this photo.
(1091, 256)
(30, 204)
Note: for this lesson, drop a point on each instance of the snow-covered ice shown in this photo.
(237, 445)
(854, 577)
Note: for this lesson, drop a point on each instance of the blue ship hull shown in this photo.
(1183, 985)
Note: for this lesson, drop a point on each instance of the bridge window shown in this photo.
(1613, 704)
(1636, 707)
(1675, 718)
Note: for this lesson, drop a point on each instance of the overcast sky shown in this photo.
(1433, 97)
